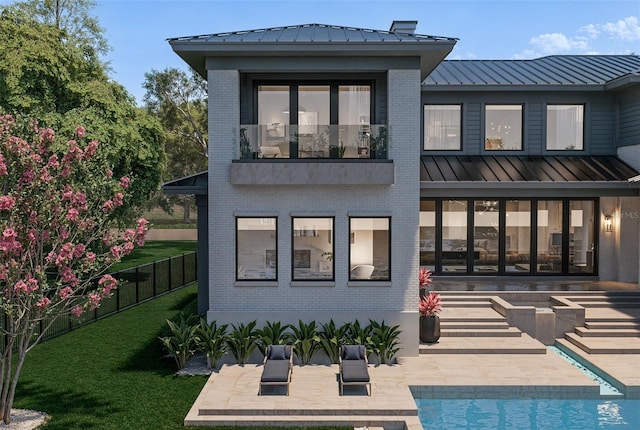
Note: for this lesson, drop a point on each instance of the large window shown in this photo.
(354, 119)
(565, 125)
(313, 249)
(502, 236)
(272, 133)
(442, 127)
(370, 249)
(503, 127)
(256, 250)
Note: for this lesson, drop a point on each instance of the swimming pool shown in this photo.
(540, 414)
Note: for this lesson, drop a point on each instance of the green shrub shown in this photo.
(384, 341)
(242, 341)
(306, 341)
(355, 334)
(331, 337)
(273, 333)
(212, 340)
(182, 343)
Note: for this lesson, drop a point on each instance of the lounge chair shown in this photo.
(353, 367)
(278, 366)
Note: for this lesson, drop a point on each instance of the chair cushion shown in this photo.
(355, 371)
(278, 352)
(351, 352)
(275, 371)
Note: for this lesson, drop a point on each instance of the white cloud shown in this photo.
(625, 29)
(585, 39)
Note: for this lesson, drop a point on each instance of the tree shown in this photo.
(44, 75)
(180, 103)
(58, 204)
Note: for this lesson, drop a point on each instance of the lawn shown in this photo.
(155, 250)
(111, 374)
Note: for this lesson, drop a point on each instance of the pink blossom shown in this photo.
(33, 217)
(127, 248)
(32, 236)
(27, 176)
(47, 135)
(91, 257)
(6, 203)
(129, 234)
(79, 250)
(69, 277)
(107, 206)
(43, 303)
(3, 167)
(141, 231)
(53, 161)
(109, 283)
(124, 182)
(116, 251)
(65, 293)
(46, 176)
(80, 131)
(90, 150)
(77, 311)
(32, 285)
(9, 234)
(117, 199)
(109, 173)
(94, 300)
(72, 215)
(20, 287)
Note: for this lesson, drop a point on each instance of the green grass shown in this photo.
(155, 250)
(111, 374)
(160, 219)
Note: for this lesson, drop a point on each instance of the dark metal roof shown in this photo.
(197, 184)
(310, 33)
(539, 169)
(554, 70)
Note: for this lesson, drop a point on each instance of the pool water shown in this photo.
(540, 414)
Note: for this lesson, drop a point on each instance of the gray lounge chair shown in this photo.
(354, 367)
(278, 366)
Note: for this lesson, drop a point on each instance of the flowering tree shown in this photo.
(57, 204)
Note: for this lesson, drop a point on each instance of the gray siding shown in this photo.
(629, 117)
(599, 133)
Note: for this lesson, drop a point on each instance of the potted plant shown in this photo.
(424, 279)
(429, 308)
(378, 143)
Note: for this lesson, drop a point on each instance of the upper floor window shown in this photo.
(312, 254)
(270, 139)
(442, 127)
(503, 127)
(565, 127)
(256, 251)
(370, 249)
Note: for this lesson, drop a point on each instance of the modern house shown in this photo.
(342, 159)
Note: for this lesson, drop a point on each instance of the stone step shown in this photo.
(481, 332)
(484, 345)
(463, 298)
(604, 297)
(467, 304)
(387, 422)
(473, 324)
(603, 345)
(607, 332)
(610, 304)
(612, 324)
(457, 314)
(612, 314)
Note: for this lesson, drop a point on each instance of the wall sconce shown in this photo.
(608, 222)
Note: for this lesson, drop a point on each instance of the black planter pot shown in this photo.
(429, 329)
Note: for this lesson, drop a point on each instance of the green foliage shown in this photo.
(183, 341)
(306, 340)
(273, 333)
(355, 334)
(331, 337)
(242, 341)
(384, 341)
(212, 340)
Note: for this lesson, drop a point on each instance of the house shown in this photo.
(342, 159)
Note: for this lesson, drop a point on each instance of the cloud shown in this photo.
(550, 43)
(625, 29)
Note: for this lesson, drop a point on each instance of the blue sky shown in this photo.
(488, 29)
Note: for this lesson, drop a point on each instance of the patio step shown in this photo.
(470, 314)
(612, 324)
(448, 324)
(609, 304)
(467, 304)
(480, 332)
(604, 297)
(370, 421)
(594, 314)
(523, 344)
(607, 332)
(603, 345)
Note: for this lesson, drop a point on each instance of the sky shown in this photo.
(487, 29)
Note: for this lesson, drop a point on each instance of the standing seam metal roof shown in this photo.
(310, 33)
(551, 70)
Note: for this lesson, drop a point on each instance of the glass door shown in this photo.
(486, 231)
(517, 240)
(454, 236)
(550, 236)
(581, 236)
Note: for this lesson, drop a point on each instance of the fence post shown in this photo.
(137, 285)
(118, 296)
(169, 274)
(155, 275)
(184, 271)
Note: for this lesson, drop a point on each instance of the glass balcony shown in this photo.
(313, 141)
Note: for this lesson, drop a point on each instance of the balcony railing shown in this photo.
(364, 141)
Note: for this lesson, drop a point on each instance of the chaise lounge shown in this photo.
(278, 366)
(353, 367)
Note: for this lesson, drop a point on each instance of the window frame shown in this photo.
(275, 278)
(546, 127)
(389, 248)
(424, 127)
(333, 248)
(522, 128)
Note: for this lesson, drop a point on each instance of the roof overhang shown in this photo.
(623, 82)
(430, 53)
(196, 184)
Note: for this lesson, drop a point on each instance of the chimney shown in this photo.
(406, 27)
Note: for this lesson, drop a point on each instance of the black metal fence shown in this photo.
(136, 285)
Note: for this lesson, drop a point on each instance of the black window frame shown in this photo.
(275, 278)
(424, 125)
(388, 279)
(333, 248)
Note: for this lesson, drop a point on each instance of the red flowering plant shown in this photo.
(430, 305)
(57, 236)
(424, 278)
